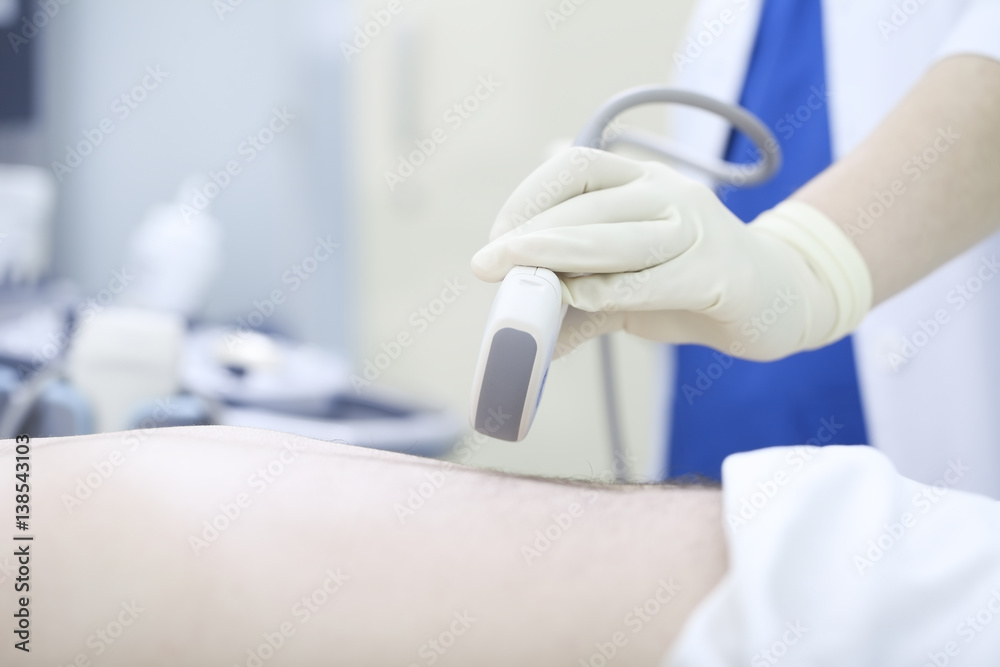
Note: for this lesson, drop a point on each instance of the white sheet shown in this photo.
(835, 559)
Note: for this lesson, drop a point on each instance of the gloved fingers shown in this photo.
(572, 172)
(598, 248)
(639, 200)
(578, 327)
(673, 326)
(673, 285)
(663, 326)
(633, 201)
(685, 327)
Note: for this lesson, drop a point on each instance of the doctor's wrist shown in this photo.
(832, 258)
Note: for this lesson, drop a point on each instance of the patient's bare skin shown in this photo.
(340, 555)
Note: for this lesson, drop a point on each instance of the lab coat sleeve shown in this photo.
(977, 32)
(836, 559)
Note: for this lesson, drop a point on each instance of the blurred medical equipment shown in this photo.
(17, 63)
(27, 198)
(34, 314)
(123, 355)
(34, 325)
(251, 379)
(132, 369)
(522, 328)
(130, 351)
(70, 366)
(175, 253)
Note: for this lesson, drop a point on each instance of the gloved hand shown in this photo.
(666, 260)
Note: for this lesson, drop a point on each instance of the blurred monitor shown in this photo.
(19, 32)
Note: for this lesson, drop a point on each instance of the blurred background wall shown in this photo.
(357, 103)
(222, 69)
(554, 67)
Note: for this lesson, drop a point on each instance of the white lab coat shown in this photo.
(931, 390)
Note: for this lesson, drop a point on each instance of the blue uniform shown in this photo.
(723, 405)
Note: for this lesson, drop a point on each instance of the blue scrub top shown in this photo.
(722, 405)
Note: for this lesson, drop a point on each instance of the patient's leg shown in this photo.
(325, 554)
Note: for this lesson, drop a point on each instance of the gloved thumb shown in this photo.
(579, 326)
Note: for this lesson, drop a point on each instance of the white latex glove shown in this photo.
(669, 262)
